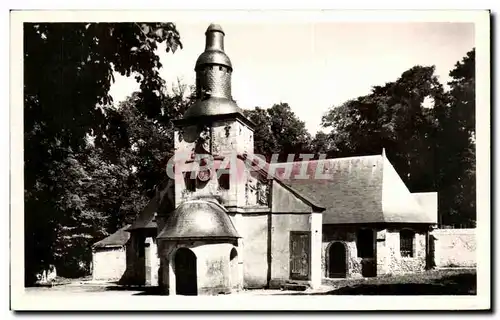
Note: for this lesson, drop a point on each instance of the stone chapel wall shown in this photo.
(253, 228)
(281, 226)
(454, 248)
(348, 238)
(401, 265)
(109, 263)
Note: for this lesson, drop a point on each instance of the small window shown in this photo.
(224, 181)
(406, 240)
(189, 181)
(140, 247)
(365, 243)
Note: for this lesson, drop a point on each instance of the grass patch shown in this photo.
(435, 282)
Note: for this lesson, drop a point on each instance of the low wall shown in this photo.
(454, 248)
(109, 263)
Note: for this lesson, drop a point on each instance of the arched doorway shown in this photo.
(185, 272)
(337, 260)
(233, 269)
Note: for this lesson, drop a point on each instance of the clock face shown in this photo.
(204, 175)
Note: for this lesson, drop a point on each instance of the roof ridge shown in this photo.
(325, 160)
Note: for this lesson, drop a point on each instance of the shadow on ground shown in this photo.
(460, 284)
(451, 284)
(140, 291)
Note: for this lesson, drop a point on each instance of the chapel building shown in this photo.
(210, 232)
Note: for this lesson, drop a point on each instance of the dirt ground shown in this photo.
(435, 282)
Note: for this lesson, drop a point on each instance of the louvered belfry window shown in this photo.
(406, 242)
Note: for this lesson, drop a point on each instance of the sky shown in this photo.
(314, 66)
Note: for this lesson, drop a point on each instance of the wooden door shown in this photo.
(300, 255)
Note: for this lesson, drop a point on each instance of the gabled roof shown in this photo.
(354, 190)
(117, 239)
(349, 188)
(159, 203)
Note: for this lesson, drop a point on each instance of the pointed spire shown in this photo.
(214, 38)
(213, 81)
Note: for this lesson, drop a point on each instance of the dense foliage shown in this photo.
(92, 165)
(71, 184)
(428, 134)
(279, 131)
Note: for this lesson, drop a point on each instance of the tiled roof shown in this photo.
(429, 202)
(119, 238)
(351, 189)
(159, 203)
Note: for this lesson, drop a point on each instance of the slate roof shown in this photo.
(351, 191)
(159, 203)
(429, 202)
(117, 239)
(146, 219)
(199, 219)
(349, 188)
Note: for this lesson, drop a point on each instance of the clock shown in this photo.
(204, 175)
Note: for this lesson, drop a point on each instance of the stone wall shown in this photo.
(348, 238)
(109, 263)
(231, 136)
(135, 271)
(142, 261)
(387, 258)
(226, 138)
(454, 248)
(400, 265)
(281, 226)
(151, 261)
(253, 228)
(213, 266)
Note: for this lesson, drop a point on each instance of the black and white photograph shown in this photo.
(251, 160)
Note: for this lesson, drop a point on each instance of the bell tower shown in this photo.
(213, 67)
(214, 125)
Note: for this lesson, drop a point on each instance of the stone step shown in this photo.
(294, 287)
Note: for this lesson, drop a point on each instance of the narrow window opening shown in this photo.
(224, 181)
(365, 243)
(406, 240)
(189, 182)
(141, 247)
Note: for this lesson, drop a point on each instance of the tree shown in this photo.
(68, 71)
(393, 117)
(278, 130)
(321, 143)
(106, 187)
(432, 147)
(147, 144)
(265, 142)
(456, 141)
